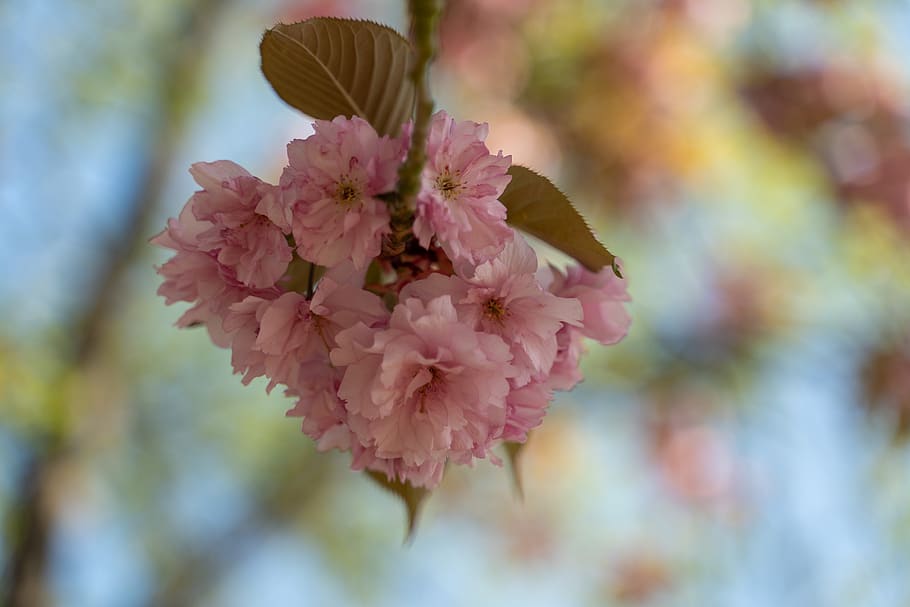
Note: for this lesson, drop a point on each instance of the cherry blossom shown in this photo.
(603, 296)
(330, 190)
(454, 344)
(291, 331)
(461, 182)
(240, 233)
(195, 273)
(503, 297)
(427, 389)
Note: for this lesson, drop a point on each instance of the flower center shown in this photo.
(433, 387)
(495, 309)
(347, 192)
(447, 184)
(256, 221)
(319, 324)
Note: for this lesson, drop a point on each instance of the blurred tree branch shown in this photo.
(32, 517)
(189, 573)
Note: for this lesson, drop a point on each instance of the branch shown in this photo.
(424, 14)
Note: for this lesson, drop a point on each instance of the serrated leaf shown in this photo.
(513, 450)
(412, 497)
(326, 67)
(538, 207)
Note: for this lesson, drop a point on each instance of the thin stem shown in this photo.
(309, 281)
(424, 14)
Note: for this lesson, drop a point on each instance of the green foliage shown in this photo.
(412, 497)
(538, 207)
(327, 67)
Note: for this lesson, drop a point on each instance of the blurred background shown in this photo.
(746, 445)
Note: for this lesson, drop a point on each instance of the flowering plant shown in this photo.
(382, 282)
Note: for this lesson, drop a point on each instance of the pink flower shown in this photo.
(427, 474)
(525, 410)
(196, 276)
(565, 373)
(235, 204)
(199, 278)
(330, 188)
(187, 272)
(291, 332)
(323, 413)
(241, 323)
(602, 296)
(461, 183)
(477, 341)
(426, 389)
(502, 297)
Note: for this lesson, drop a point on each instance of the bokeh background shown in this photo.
(744, 446)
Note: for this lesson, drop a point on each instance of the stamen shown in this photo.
(495, 309)
(432, 387)
(447, 184)
(347, 192)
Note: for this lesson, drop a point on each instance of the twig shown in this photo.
(424, 14)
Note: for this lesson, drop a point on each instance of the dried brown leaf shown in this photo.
(326, 67)
(538, 207)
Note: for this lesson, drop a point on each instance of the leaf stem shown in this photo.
(309, 281)
(424, 14)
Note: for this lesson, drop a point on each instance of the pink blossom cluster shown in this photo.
(409, 360)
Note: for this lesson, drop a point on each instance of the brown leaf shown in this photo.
(326, 67)
(412, 497)
(513, 451)
(538, 207)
